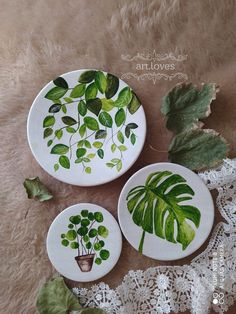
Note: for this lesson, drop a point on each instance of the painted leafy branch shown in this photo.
(86, 234)
(163, 194)
(184, 107)
(94, 123)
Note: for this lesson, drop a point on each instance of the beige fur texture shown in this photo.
(41, 39)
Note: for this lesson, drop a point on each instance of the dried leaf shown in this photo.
(55, 298)
(36, 189)
(184, 105)
(198, 149)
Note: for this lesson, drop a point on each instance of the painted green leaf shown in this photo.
(110, 165)
(122, 148)
(68, 100)
(98, 216)
(74, 245)
(112, 86)
(48, 121)
(63, 108)
(85, 222)
(104, 254)
(198, 149)
(47, 132)
(133, 139)
(56, 93)
(68, 120)
(156, 206)
(49, 143)
(127, 131)
(75, 219)
(36, 189)
(105, 119)
(100, 81)
(56, 167)
(69, 129)
(98, 261)
(120, 117)
(82, 130)
(59, 133)
(100, 153)
(120, 137)
(103, 231)
(97, 246)
(124, 97)
(93, 232)
(100, 134)
(71, 235)
(82, 108)
(65, 242)
(55, 298)
(64, 162)
(61, 82)
(119, 166)
(88, 170)
(94, 105)
(107, 104)
(113, 147)
(60, 149)
(80, 152)
(54, 108)
(97, 144)
(91, 91)
(91, 155)
(87, 76)
(84, 212)
(78, 91)
(82, 231)
(184, 105)
(134, 105)
(91, 123)
(132, 126)
(87, 144)
(88, 245)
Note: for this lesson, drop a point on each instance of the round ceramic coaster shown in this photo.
(165, 211)
(86, 127)
(84, 242)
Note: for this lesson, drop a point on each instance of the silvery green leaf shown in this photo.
(184, 105)
(198, 149)
(36, 189)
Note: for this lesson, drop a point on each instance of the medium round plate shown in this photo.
(165, 211)
(84, 242)
(86, 127)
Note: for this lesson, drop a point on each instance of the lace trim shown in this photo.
(209, 280)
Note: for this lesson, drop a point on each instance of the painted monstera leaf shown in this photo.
(157, 208)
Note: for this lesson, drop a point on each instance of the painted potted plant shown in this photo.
(85, 234)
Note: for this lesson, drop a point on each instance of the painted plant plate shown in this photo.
(165, 211)
(86, 127)
(84, 242)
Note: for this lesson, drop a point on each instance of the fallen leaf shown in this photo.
(198, 149)
(36, 189)
(55, 298)
(184, 105)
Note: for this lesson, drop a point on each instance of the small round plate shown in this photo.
(84, 242)
(165, 211)
(86, 127)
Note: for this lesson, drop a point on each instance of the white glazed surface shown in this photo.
(75, 175)
(156, 247)
(63, 258)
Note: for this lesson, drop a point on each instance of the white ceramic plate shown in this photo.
(84, 242)
(165, 211)
(86, 127)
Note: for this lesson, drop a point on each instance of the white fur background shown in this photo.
(41, 39)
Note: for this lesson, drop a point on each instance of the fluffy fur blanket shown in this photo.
(42, 39)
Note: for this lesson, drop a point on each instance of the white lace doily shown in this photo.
(209, 281)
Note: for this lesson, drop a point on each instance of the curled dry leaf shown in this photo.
(184, 105)
(36, 189)
(198, 149)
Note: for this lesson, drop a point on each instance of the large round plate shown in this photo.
(84, 242)
(86, 127)
(165, 211)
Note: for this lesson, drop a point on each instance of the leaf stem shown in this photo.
(140, 248)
